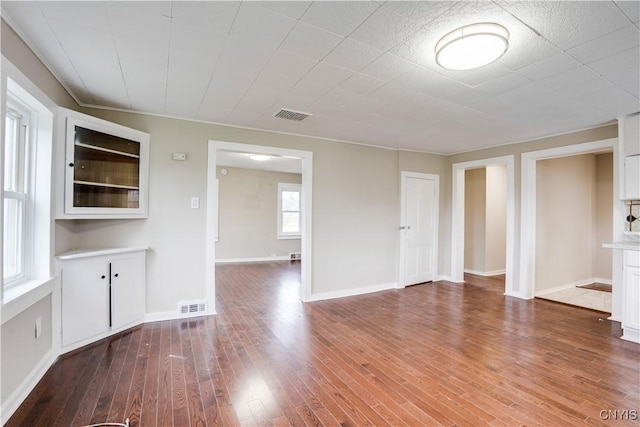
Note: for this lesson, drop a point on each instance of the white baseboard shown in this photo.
(516, 295)
(13, 402)
(352, 292)
(631, 334)
(258, 259)
(443, 278)
(160, 316)
(603, 281)
(563, 287)
(485, 273)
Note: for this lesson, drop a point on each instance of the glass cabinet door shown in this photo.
(106, 170)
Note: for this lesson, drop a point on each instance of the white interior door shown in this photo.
(419, 228)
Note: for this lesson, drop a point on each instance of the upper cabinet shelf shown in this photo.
(80, 145)
(102, 168)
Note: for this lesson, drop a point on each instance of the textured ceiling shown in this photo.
(364, 69)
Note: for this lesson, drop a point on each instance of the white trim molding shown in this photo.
(255, 259)
(485, 273)
(353, 292)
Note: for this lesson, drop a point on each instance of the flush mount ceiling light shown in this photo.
(472, 46)
(259, 157)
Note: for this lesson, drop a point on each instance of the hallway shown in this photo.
(433, 354)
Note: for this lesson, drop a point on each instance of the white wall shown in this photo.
(565, 221)
(496, 219)
(19, 334)
(475, 210)
(248, 214)
(603, 221)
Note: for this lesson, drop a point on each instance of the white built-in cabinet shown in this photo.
(102, 292)
(631, 281)
(101, 168)
(629, 135)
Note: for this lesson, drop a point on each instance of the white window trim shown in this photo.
(283, 186)
(16, 299)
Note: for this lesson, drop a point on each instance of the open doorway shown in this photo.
(485, 221)
(219, 149)
(575, 201)
(528, 211)
(259, 220)
(458, 220)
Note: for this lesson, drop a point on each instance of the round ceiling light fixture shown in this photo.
(260, 157)
(472, 46)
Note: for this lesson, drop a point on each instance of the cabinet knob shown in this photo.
(103, 277)
(116, 274)
(70, 165)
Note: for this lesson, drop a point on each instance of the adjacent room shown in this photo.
(223, 213)
(577, 269)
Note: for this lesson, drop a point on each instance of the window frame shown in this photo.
(24, 190)
(282, 187)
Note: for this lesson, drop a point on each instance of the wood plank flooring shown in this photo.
(434, 354)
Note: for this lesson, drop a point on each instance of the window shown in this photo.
(16, 191)
(26, 190)
(289, 216)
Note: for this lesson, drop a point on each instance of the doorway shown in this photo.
(306, 158)
(419, 229)
(485, 221)
(574, 200)
(511, 286)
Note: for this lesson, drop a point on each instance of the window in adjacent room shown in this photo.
(289, 216)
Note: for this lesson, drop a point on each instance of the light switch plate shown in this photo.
(195, 202)
(179, 156)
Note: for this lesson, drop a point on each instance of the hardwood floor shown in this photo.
(433, 354)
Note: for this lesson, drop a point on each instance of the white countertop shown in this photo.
(84, 253)
(626, 245)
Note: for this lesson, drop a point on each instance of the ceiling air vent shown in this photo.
(292, 115)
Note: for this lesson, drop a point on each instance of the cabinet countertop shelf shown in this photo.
(628, 245)
(106, 150)
(102, 184)
(85, 253)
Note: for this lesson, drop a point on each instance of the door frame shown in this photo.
(212, 212)
(403, 200)
(457, 220)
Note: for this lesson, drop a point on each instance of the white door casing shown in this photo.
(419, 228)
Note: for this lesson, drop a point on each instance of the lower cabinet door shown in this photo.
(127, 290)
(85, 300)
(632, 299)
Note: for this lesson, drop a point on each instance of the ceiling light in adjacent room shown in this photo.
(472, 46)
(259, 157)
